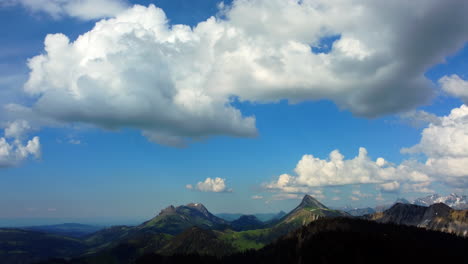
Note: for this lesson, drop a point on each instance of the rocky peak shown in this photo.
(309, 201)
(199, 207)
(168, 210)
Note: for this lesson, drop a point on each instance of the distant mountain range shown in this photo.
(459, 202)
(265, 217)
(67, 229)
(192, 229)
(455, 201)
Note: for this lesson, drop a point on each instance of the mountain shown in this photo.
(25, 246)
(307, 211)
(200, 241)
(229, 217)
(310, 230)
(359, 211)
(247, 222)
(174, 220)
(438, 217)
(402, 201)
(343, 240)
(67, 229)
(453, 200)
(264, 217)
(107, 237)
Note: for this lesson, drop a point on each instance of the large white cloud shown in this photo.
(82, 9)
(210, 185)
(444, 144)
(12, 149)
(337, 171)
(176, 82)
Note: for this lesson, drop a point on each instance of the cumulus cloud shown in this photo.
(444, 144)
(336, 171)
(391, 187)
(359, 194)
(257, 197)
(17, 129)
(285, 196)
(81, 9)
(12, 149)
(210, 185)
(177, 83)
(455, 86)
(12, 153)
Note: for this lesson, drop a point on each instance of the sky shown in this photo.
(112, 110)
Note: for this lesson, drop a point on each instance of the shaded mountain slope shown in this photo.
(344, 240)
(199, 241)
(23, 246)
(67, 229)
(174, 220)
(247, 222)
(308, 211)
(438, 217)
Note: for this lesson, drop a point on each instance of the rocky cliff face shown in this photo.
(438, 217)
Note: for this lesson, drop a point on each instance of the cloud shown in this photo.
(336, 171)
(444, 144)
(354, 198)
(422, 187)
(17, 129)
(12, 149)
(419, 118)
(12, 153)
(390, 187)
(379, 197)
(177, 83)
(455, 86)
(81, 9)
(210, 185)
(358, 193)
(257, 197)
(336, 198)
(74, 141)
(285, 196)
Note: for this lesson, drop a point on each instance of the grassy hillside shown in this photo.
(23, 246)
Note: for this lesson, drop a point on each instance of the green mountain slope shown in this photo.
(307, 211)
(23, 246)
(174, 220)
(200, 241)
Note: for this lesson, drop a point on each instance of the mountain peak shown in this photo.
(309, 201)
(168, 210)
(198, 206)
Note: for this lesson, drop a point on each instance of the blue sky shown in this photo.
(102, 167)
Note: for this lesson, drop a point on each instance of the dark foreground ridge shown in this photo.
(339, 240)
